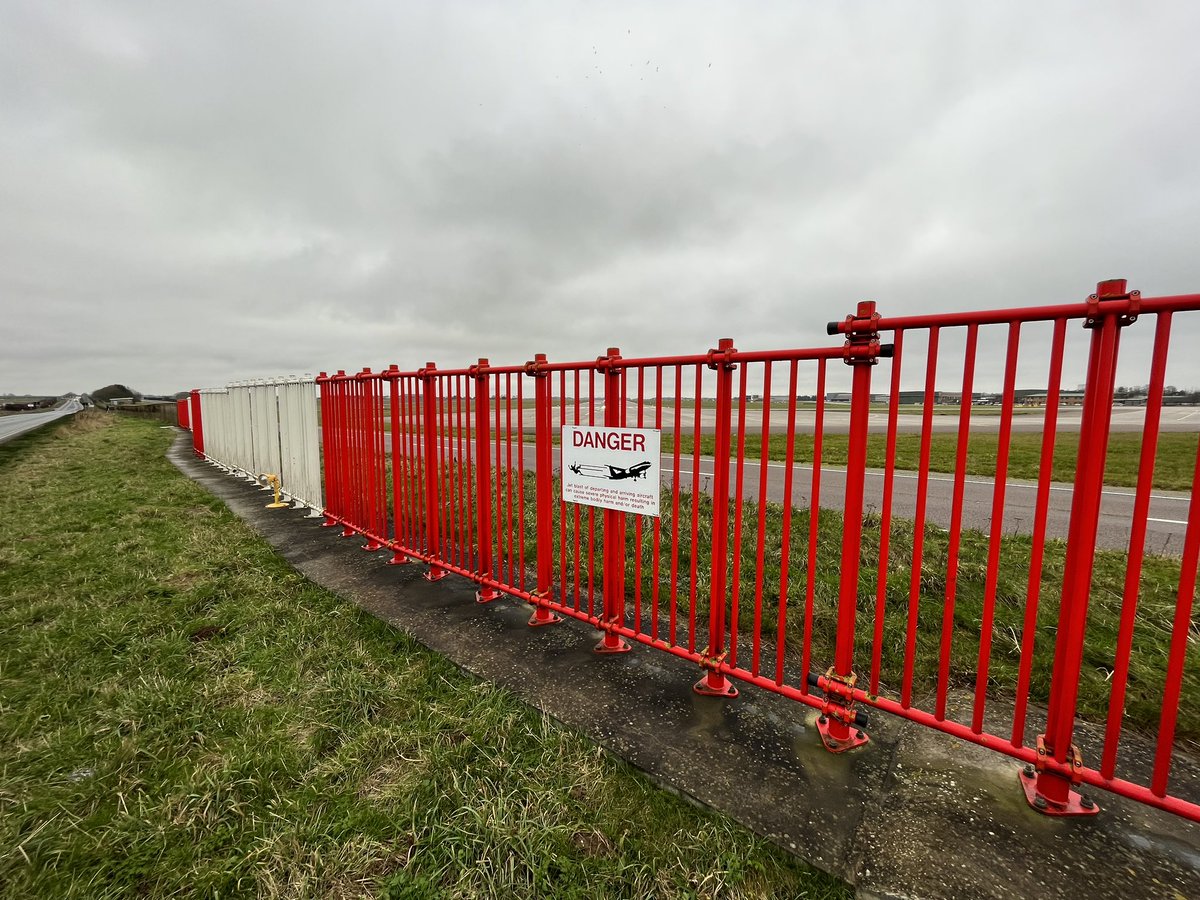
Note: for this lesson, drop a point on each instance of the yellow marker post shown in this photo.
(273, 481)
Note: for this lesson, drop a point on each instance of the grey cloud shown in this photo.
(196, 193)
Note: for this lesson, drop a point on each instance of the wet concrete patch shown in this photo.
(915, 813)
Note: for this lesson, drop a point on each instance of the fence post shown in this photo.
(714, 683)
(329, 456)
(368, 388)
(613, 614)
(838, 723)
(544, 472)
(1049, 784)
(348, 437)
(392, 376)
(197, 425)
(483, 480)
(428, 377)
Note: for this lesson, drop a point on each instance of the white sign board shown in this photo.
(611, 468)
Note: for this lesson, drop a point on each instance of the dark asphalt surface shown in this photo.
(22, 423)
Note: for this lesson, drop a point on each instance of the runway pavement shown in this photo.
(983, 419)
(1167, 517)
(22, 423)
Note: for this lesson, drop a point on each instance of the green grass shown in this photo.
(1174, 461)
(181, 714)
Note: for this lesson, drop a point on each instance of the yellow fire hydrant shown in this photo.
(273, 481)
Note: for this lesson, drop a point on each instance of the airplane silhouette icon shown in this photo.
(639, 471)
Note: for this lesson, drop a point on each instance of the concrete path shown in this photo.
(914, 814)
(22, 423)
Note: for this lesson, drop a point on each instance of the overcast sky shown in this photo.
(192, 193)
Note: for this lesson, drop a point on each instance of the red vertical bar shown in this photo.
(469, 459)
(562, 504)
(367, 386)
(918, 551)
(409, 465)
(197, 420)
(637, 522)
(760, 547)
(432, 499)
(575, 506)
(509, 537)
(1180, 638)
(445, 444)
(543, 424)
(657, 541)
(786, 539)
(349, 509)
(483, 482)
(614, 523)
(417, 455)
(678, 436)
(956, 512)
(1051, 789)
(714, 683)
(998, 491)
(521, 477)
(591, 512)
(1137, 544)
(885, 521)
(328, 455)
(739, 494)
(694, 555)
(498, 478)
(392, 375)
(861, 350)
(814, 517)
(460, 474)
(1038, 545)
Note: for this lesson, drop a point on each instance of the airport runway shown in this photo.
(21, 423)
(983, 419)
(1167, 516)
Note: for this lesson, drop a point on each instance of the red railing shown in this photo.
(745, 576)
(196, 423)
(181, 413)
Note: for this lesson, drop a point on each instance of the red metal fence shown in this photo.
(862, 607)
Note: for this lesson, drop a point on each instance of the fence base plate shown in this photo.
(619, 647)
(398, 559)
(435, 574)
(535, 622)
(278, 505)
(487, 595)
(833, 744)
(372, 546)
(1076, 804)
(705, 689)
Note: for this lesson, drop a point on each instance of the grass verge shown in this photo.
(184, 715)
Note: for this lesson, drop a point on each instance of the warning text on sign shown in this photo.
(611, 468)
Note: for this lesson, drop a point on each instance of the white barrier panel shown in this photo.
(267, 426)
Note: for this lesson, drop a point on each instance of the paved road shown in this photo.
(12, 426)
(1166, 526)
(837, 419)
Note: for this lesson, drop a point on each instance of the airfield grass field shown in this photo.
(183, 715)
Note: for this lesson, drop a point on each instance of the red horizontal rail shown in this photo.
(457, 457)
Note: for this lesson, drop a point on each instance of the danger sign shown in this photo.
(611, 468)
